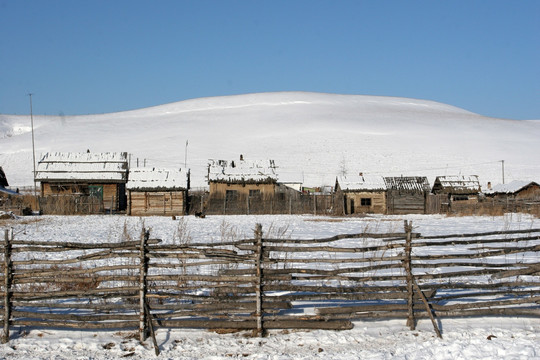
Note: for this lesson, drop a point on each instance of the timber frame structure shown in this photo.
(157, 192)
(102, 176)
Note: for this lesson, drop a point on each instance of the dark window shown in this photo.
(96, 190)
(461, 197)
(254, 193)
(365, 201)
(231, 194)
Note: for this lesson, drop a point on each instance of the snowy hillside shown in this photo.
(312, 137)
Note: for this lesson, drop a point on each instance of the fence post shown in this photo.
(8, 273)
(143, 330)
(258, 286)
(408, 272)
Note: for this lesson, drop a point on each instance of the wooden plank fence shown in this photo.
(268, 283)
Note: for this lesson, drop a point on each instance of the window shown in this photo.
(231, 194)
(254, 193)
(96, 190)
(365, 202)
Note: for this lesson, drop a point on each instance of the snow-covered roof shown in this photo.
(510, 188)
(457, 184)
(408, 183)
(242, 171)
(157, 179)
(60, 166)
(361, 182)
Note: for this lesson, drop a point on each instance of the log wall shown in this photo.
(166, 203)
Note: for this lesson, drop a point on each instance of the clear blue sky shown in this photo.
(85, 57)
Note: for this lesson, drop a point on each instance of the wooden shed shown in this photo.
(407, 194)
(102, 176)
(236, 179)
(157, 192)
(515, 190)
(459, 189)
(362, 194)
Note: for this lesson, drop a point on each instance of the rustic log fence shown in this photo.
(266, 283)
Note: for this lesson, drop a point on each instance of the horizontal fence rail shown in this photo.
(267, 283)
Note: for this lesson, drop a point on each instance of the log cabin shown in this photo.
(407, 194)
(362, 194)
(515, 190)
(236, 179)
(98, 175)
(157, 192)
(459, 189)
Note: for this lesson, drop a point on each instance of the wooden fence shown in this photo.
(268, 283)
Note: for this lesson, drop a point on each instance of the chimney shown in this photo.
(489, 185)
(241, 157)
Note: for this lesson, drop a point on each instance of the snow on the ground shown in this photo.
(469, 338)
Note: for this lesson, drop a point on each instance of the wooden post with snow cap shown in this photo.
(408, 273)
(8, 273)
(258, 285)
(143, 330)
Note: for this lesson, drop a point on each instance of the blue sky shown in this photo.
(85, 57)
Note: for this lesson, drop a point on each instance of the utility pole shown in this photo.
(185, 156)
(33, 146)
(502, 163)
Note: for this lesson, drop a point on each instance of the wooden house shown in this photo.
(460, 190)
(515, 190)
(157, 192)
(97, 175)
(407, 194)
(362, 194)
(240, 179)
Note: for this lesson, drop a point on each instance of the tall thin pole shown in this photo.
(502, 163)
(185, 156)
(33, 146)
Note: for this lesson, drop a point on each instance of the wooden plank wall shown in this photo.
(166, 203)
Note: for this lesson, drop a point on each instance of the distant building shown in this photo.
(157, 192)
(459, 189)
(240, 178)
(515, 190)
(407, 194)
(362, 193)
(100, 175)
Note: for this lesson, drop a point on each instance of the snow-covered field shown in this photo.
(474, 338)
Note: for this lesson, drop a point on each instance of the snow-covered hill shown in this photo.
(311, 136)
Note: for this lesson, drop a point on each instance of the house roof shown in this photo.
(157, 179)
(242, 171)
(408, 183)
(510, 188)
(66, 166)
(361, 183)
(457, 184)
